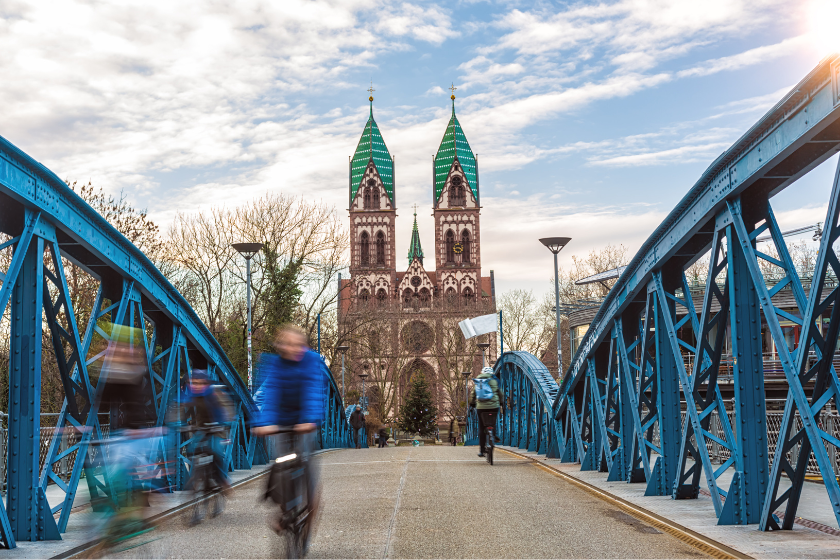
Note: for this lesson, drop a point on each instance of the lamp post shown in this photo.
(342, 350)
(466, 375)
(364, 376)
(483, 346)
(555, 245)
(248, 250)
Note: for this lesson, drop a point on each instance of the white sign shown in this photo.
(479, 325)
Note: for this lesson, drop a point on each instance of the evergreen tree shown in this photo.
(417, 413)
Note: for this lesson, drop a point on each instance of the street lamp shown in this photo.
(248, 250)
(555, 245)
(342, 350)
(483, 346)
(364, 395)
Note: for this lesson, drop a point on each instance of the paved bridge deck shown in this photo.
(433, 502)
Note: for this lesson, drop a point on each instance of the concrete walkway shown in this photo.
(699, 516)
(431, 502)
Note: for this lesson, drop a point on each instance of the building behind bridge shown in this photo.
(401, 323)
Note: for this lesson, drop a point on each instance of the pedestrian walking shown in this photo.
(357, 422)
(453, 431)
(383, 435)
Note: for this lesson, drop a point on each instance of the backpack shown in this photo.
(483, 391)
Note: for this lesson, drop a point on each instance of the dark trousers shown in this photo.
(486, 417)
(356, 438)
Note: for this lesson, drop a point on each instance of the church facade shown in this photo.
(402, 323)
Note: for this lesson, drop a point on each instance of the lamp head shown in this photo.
(466, 374)
(555, 244)
(342, 349)
(248, 250)
(483, 345)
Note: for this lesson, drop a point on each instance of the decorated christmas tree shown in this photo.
(417, 413)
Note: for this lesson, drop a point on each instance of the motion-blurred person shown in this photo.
(291, 400)
(133, 437)
(357, 422)
(453, 431)
(208, 410)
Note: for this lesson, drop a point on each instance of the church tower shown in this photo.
(456, 214)
(372, 215)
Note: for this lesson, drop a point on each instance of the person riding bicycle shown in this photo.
(208, 408)
(486, 398)
(291, 397)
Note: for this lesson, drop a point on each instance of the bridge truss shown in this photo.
(49, 225)
(649, 357)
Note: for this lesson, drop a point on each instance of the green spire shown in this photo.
(415, 251)
(454, 146)
(372, 147)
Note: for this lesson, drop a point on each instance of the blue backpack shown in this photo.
(483, 391)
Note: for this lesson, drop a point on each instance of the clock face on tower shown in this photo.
(458, 248)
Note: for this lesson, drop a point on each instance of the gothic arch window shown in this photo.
(381, 297)
(408, 294)
(380, 248)
(468, 296)
(364, 297)
(450, 246)
(364, 249)
(457, 192)
(451, 295)
(425, 297)
(367, 198)
(465, 243)
(374, 197)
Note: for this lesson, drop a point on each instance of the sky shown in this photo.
(590, 119)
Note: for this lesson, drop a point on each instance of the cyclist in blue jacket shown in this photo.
(291, 396)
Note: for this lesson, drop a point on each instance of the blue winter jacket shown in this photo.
(291, 392)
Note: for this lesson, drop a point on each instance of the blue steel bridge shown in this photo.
(641, 402)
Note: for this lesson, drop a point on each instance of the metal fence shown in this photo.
(719, 454)
(69, 439)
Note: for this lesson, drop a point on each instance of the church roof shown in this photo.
(372, 146)
(454, 145)
(415, 250)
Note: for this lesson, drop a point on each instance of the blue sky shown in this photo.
(590, 120)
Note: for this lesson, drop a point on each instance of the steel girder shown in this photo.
(48, 222)
(619, 403)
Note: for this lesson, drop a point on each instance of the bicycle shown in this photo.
(289, 487)
(490, 444)
(203, 478)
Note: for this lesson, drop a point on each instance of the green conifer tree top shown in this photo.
(418, 413)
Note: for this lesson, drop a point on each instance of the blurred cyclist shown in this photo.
(486, 397)
(209, 411)
(133, 438)
(291, 397)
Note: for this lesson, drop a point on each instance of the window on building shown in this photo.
(374, 197)
(457, 192)
(408, 294)
(364, 249)
(364, 297)
(381, 297)
(450, 246)
(425, 297)
(468, 296)
(465, 243)
(367, 198)
(577, 336)
(380, 248)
